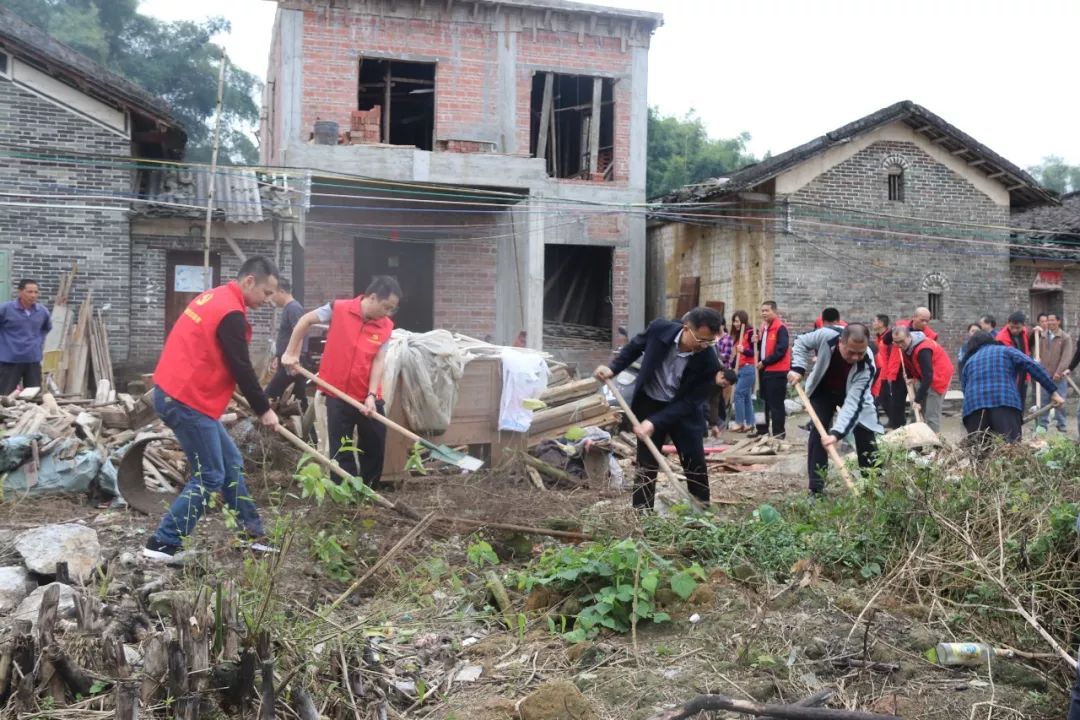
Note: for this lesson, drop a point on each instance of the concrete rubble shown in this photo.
(43, 547)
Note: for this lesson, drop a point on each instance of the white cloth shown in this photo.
(524, 376)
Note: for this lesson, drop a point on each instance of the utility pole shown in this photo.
(207, 275)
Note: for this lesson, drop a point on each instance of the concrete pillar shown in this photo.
(510, 275)
(639, 117)
(507, 102)
(635, 231)
(534, 298)
(290, 90)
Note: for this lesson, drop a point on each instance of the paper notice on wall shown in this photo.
(188, 279)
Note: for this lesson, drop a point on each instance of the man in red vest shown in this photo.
(882, 390)
(774, 363)
(919, 322)
(929, 364)
(205, 358)
(353, 361)
(1015, 335)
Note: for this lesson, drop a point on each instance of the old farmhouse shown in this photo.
(892, 211)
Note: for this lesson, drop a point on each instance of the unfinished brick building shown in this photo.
(403, 109)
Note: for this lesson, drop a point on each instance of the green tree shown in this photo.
(1056, 174)
(175, 61)
(680, 152)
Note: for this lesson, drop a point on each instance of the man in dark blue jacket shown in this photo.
(675, 377)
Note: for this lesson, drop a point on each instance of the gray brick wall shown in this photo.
(148, 266)
(44, 242)
(867, 270)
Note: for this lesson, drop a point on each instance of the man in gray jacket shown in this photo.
(841, 378)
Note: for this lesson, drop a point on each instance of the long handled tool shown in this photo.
(1036, 413)
(439, 452)
(910, 388)
(831, 449)
(398, 507)
(1038, 386)
(1073, 383)
(659, 456)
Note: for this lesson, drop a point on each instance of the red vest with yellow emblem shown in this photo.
(192, 368)
(351, 347)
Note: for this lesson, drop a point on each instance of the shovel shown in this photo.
(911, 390)
(833, 452)
(659, 456)
(439, 452)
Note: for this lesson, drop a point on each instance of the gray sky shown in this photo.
(787, 71)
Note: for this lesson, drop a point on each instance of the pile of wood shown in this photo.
(571, 335)
(570, 403)
(77, 359)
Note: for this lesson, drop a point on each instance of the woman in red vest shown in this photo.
(352, 361)
(204, 359)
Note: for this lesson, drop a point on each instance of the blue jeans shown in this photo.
(744, 396)
(1063, 391)
(215, 465)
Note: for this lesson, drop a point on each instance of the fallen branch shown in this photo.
(561, 534)
(402, 543)
(502, 599)
(704, 703)
(550, 470)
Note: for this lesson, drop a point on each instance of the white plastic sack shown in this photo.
(425, 368)
(524, 375)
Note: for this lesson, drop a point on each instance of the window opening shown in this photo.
(934, 303)
(404, 95)
(896, 184)
(573, 125)
(577, 293)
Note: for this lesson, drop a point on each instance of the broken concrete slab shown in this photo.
(912, 437)
(43, 547)
(30, 608)
(15, 585)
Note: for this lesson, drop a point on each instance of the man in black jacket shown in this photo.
(675, 377)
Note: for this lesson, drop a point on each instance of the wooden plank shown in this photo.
(80, 349)
(571, 391)
(545, 116)
(594, 125)
(570, 293)
(386, 106)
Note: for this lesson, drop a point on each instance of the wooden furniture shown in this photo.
(474, 422)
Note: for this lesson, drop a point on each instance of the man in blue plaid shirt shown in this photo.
(988, 375)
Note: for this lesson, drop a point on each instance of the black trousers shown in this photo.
(897, 408)
(341, 420)
(11, 374)
(884, 399)
(773, 393)
(817, 457)
(687, 437)
(281, 380)
(1004, 421)
(717, 406)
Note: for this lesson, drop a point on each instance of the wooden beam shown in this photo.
(973, 163)
(545, 115)
(938, 141)
(998, 174)
(960, 151)
(755, 197)
(923, 129)
(1016, 187)
(227, 234)
(594, 125)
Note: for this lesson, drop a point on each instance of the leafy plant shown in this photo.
(616, 585)
(331, 555)
(315, 483)
(480, 554)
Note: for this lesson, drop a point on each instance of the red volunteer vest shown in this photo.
(882, 360)
(1005, 338)
(192, 367)
(939, 359)
(784, 363)
(351, 347)
(747, 344)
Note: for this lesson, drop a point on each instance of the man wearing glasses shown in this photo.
(675, 379)
(352, 361)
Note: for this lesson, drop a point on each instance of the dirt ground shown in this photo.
(747, 637)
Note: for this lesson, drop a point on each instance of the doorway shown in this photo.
(184, 281)
(413, 266)
(1047, 301)
(577, 290)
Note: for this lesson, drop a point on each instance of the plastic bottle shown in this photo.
(958, 654)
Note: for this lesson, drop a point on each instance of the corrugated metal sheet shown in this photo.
(184, 191)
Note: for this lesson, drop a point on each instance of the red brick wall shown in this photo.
(620, 291)
(466, 85)
(465, 287)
